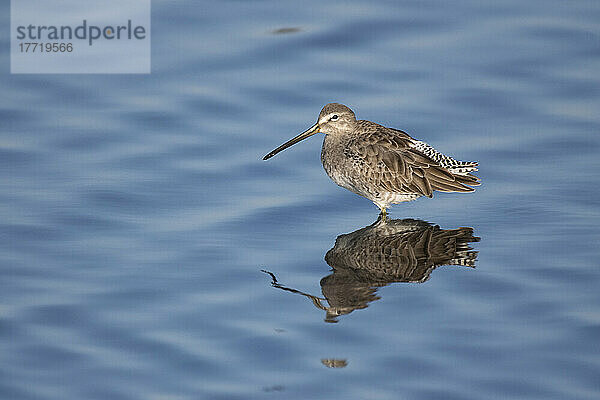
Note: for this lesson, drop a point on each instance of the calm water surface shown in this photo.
(137, 214)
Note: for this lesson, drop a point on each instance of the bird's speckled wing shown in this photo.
(390, 162)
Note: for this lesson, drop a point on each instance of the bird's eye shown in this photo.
(334, 117)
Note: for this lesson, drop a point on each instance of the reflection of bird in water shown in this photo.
(387, 251)
(385, 165)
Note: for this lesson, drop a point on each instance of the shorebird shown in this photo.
(385, 165)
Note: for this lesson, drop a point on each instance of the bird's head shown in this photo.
(334, 119)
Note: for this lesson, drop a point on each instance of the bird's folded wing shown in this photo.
(401, 169)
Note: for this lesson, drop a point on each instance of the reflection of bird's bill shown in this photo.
(316, 300)
(307, 133)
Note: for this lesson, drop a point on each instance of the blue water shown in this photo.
(136, 212)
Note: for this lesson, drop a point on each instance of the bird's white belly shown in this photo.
(394, 198)
(381, 198)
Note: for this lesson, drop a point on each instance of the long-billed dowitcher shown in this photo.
(385, 165)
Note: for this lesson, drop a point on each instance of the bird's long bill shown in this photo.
(307, 133)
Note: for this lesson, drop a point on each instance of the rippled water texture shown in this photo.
(137, 213)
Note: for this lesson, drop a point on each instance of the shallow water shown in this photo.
(137, 214)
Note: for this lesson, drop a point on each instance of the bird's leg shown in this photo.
(383, 214)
